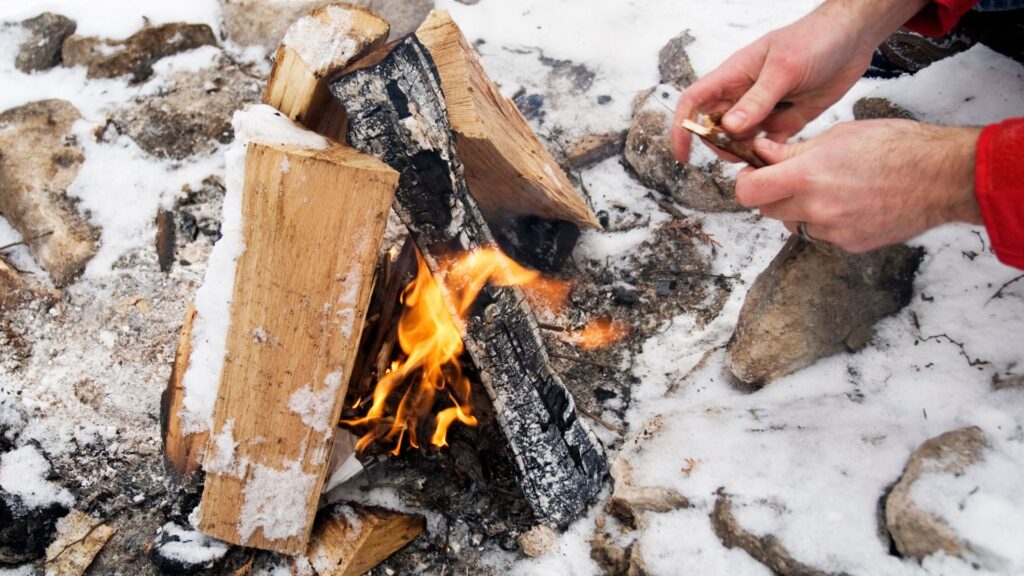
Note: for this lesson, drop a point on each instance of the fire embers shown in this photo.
(425, 391)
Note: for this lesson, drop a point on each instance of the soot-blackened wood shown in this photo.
(397, 113)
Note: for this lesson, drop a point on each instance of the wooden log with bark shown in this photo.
(507, 168)
(312, 223)
(397, 113)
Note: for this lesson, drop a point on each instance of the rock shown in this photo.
(178, 550)
(629, 501)
(79, 538)
(135, 55)
(30, 505)
(873, 108)
(538, 541)
(700, 185)
(39, 159)
(192, 115)
(46, 35)
(594, 148)
(674, 64)
(1007, 381)
(765, 549)
(813, 301)
(264, 22)
(918, 533)
(614, 559)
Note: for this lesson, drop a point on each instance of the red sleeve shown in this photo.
(999, 187)
(939, 17)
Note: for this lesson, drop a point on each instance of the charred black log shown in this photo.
(397, 113)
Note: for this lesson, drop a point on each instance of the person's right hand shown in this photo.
(809, 65)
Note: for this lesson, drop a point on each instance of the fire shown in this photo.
(431, 341)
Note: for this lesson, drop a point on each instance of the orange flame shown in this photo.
(600, 333)
(431, 339)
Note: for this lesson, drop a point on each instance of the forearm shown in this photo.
(871, 21)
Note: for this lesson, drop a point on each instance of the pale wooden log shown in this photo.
(397, 113)
(349, 540)
(508, 170)
(183, 452)
(312, 224)
(316, 47)
(299, 90)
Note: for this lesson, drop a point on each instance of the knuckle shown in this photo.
(746, 190)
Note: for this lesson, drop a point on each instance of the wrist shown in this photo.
(954, 150)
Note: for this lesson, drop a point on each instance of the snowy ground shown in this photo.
(805, 459)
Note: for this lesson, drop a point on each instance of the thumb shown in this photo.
(774, 152)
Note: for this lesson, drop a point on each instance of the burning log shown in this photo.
(506, 166)
(397, 113)
(350, 539)
(296, 317)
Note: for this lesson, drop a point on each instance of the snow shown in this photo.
(221, 460)
(316, 407)
(323, 41)
(23, 474)
(255, 124)
(192, 548)
(123, 202)
(275, 501)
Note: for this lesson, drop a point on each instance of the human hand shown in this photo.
(808, 65)
(868, 184)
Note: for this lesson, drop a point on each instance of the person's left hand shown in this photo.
(868, 184)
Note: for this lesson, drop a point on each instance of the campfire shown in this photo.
(401, 350)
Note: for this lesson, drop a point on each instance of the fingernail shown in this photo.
(736, 120)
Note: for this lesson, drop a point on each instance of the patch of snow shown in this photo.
(23, 474)
(275, 501)
(192, 547)
(321, 43)
(316, 407)
(189, 61)
(221, 460)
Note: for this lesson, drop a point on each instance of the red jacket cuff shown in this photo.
(939, 17)
(999, 187)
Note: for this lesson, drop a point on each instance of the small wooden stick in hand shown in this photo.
(718, 138)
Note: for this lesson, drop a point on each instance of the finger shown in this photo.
(778, 152)
(681, 137)
(758, 102)
(764, 186)
(782, 126)
(787, 210)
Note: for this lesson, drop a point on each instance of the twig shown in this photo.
(25, 242)
(719, 139)
(999, 293)
(971, 361)
(582, 360)
(551, 327)
(604, 424)
(673, 387)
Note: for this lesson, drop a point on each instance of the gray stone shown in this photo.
(192, 114)
(39, 159)
(42, 49)
(264, 22)
(918, 533)
(538, 541)
(135, 55)
(649, 152)
(872, 108)
(674, 64)
(814, 301)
